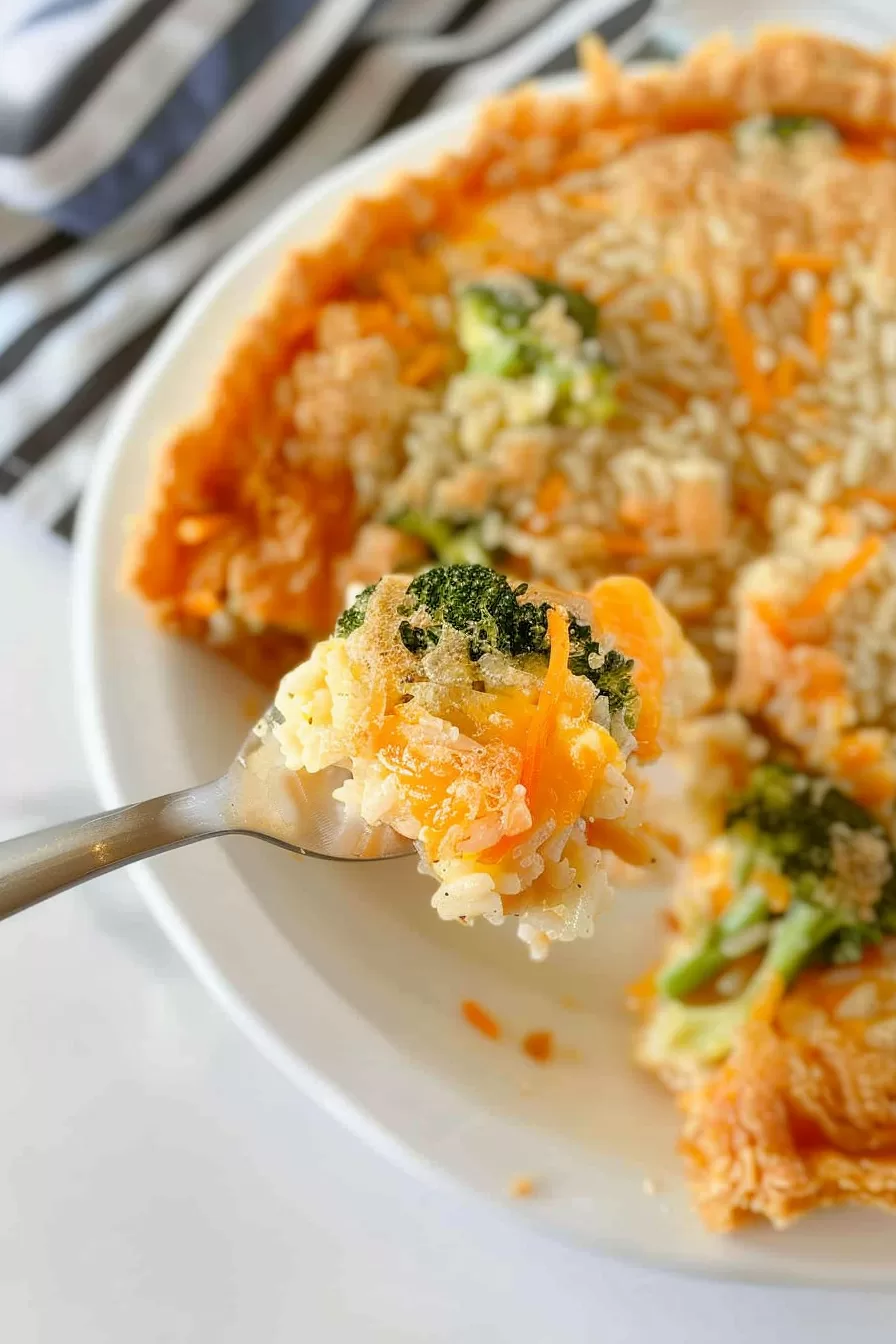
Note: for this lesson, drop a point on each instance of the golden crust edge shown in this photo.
(740, 1140)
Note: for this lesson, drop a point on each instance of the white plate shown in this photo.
(343, 975)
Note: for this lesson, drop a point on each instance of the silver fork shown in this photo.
(257, 796)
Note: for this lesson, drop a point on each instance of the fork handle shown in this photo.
(33, 867)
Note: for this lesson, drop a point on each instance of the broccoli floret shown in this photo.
(579, 307)
(353, 616)
(495, 331)
(471, 598)
(587, 396)
(610, 672)
(488, 609)
(795, 819)
(493, 325)
(450, 545)
(798, 824)
(803, 828)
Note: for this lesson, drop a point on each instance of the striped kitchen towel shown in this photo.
(139, 139)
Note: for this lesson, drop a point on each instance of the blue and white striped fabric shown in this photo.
(139, 139)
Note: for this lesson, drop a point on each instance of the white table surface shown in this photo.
(160, 1182)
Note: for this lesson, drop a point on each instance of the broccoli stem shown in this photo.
(796, 936)
(706, 1033)
(708, 959)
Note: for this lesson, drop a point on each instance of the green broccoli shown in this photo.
(450, 544)
(840, 868)
(711, 955)
(781, 126)
(610, 672)
(579, 307)
(705, 1033)
(489, 610)
(796, 819)
(785, 126)
(495, 331)
(353, 616)
(586, 396)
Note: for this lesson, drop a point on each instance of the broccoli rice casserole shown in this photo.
(637, 340)
(500, 729)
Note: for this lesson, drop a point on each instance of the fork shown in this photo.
(258, 795)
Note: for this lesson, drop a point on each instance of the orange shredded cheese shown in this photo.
(515, 260)
(887, 498)
(635, 511)
(765, 1006)
(816, 262)
(399, 293)
(742, 349)
(784, 377)
(819, 597)
(622, 543)
(549, 698)
(669, 921)
(865, 151)
(818, 453)
(201, 602)
(822, 676)
(301, 323)
(784, 622)
(642, 991)
(376, 318)
(626, 607)
(479, 1019)
(539, 1045)
(196, 528)
(773, 618)
(625, 844)
(837, 521)
(721, 897)
(589, 200)
(778, 890)
(431, 361)
(818, 324)
(631, 133)
(579, 161)
(861, 758)
(425, 272)
(670, 840)
(522, 1187)
(680, 395)
(552, 494)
